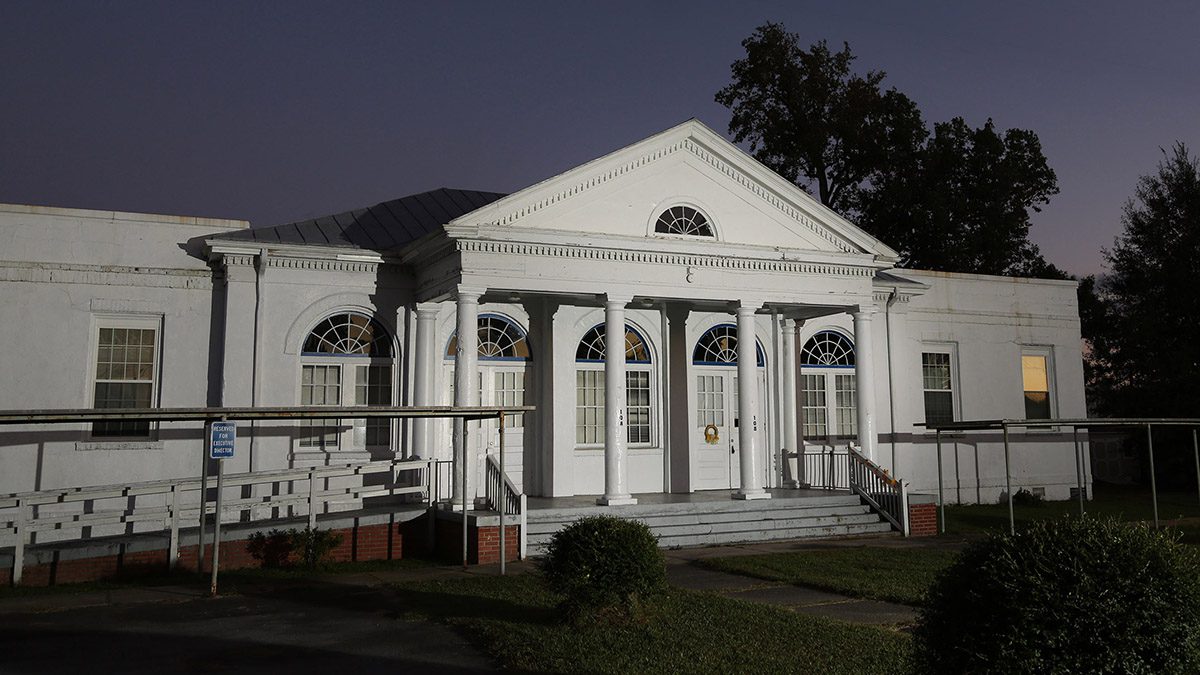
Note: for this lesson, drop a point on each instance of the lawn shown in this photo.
(891, 574)
(1122, 502)
(514, 620)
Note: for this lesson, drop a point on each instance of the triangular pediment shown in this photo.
(623, 193)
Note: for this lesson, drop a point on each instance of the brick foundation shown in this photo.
(922, 520)
(483, 543)
(359, 543)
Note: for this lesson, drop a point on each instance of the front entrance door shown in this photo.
(499, 385)
(718, 455)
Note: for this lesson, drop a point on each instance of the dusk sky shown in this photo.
(274, 112)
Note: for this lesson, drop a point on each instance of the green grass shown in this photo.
(514, 620)
(891, 574)
(1121, 502)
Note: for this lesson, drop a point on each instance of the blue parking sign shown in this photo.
(224, 436)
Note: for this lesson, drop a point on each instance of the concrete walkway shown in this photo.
(683, 571)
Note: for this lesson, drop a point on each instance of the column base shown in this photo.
(616, 500)
(761, 494)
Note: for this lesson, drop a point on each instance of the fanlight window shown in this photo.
(683, 220)
(348, 334)
(718, 347)
(499, 340)
(828, 349)
(592, 346)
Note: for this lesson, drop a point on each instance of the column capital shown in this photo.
(468, 293)
(621, 299)
(864, 310)
(426, 310)
(748, 307)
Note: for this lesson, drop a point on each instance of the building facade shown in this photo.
(757, 326)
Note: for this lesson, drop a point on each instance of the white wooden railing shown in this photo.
(827, 468)
(503, 497)
(887, 495)
(67, 514)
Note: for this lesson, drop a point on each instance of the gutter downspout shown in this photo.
(887, 329)
(260, 269)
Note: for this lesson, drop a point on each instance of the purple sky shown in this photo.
(279, 111)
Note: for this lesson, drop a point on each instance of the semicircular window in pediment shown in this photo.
(683, 220)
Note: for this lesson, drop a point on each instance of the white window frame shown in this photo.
(951, 350)
(1046, 352)
(135, 321)
(827, 375)
(647, 368)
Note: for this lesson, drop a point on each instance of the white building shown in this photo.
(740, 298)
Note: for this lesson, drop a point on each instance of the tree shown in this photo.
(1144, 320)
(963, 202)
(812, 120)
(957, 201)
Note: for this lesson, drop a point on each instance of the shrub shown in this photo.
(604, 563)
(1068, 595)
(275, 548)
(1026, 498)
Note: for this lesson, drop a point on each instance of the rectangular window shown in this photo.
(847, 422)
(637, 405)
(320, 385)
(814, 406)
(373, 387)
(589, 407)
(1035, 375)
(126, 369)
(938, 387)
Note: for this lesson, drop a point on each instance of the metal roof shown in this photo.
(383, 227)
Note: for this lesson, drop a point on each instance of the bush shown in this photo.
(1068, 595)
(275, 548)
(1026, 498)
(604, 563)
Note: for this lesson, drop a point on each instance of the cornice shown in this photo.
(661, 258)
(702, 153)
(105, 275)
(322, 264)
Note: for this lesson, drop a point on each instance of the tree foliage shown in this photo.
(1143, 318)
(957, 200)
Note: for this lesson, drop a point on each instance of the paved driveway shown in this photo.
(323, 629)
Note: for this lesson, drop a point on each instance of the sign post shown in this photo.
(222, 440)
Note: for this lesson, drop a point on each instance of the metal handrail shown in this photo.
(887, 495)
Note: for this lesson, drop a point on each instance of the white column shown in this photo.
(749, 416)
(864, 381)
(466, 385)
(791, 435)
(616, 460)
(425, 357)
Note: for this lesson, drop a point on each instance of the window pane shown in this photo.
(1037, 405)
(939, 407)
(1033, 370)
(124, 377)
(589, 415)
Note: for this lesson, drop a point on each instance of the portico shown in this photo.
(709, 270)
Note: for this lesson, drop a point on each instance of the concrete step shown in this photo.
(675, 508)
(537, 548)
(655, 522)
(664, 532)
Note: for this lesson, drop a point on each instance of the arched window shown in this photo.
(500, 339)
(829, 405)
(589, 387)
(828, 348)
(683, 220)
(346, 360)
(718, 347)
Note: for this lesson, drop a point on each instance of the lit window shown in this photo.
(347, 361)
(125, 373)
(683, 220)
(1035, 375)
(718, 347)
(828, 404)
(589, 387)
(499, 340)
(937, 385)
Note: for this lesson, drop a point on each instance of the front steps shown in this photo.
(706, 523)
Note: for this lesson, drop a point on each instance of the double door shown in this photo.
(499, 385)
(717, 428)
